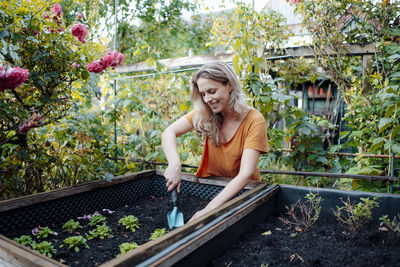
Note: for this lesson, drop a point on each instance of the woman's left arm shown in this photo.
(248, 166)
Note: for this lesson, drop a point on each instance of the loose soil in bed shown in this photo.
(324, 244)
(151, 212)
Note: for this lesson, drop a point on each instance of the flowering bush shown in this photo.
(11, 78)
(111, 59)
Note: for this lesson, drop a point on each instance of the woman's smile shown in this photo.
(214, 94)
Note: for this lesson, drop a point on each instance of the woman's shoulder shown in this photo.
(255, 115)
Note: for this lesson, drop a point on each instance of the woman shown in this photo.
(235, 133)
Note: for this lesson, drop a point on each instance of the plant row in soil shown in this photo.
(151, 212)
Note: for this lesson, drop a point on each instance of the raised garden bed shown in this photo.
(252, 235)
(143, 195)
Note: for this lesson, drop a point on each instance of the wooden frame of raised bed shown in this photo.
(200, 246)
(38, 206)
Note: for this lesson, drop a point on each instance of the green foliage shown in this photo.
(44, 233)
(25, 240)
(159, 232)
(125, 247)
(393, 224)
(97, 219)
(75, 242)
(101, 232)
(354, 216)
(71, 226)
(130, 222)
(36, 39)
(45, 248)
(302, 215)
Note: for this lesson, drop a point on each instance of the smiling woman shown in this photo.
(235, 133)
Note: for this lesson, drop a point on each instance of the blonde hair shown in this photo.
(204, 120)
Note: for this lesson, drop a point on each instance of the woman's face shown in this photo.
(214, 94)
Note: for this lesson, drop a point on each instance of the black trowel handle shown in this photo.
(174, 197)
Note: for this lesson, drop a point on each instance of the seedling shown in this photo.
(130, 222)
(44, 232)
(97, 219)
(45, 248)
(25, 240)
(75, 242)
(125, 247)
(393, 224)
(354, 216)
(308, 212)
(71, 226)
(159, 232)
(101, 232)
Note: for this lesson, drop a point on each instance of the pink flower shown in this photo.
(79, 30)
(79, 16)
(109, 59)
(120, 58)
(294, 1)
(12, 78)
(57, 9)
(95, 67)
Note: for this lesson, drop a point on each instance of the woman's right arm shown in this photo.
(168, 138)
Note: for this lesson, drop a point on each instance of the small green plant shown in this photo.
(353, 216)
(101, 231)
(130, 222)
(307, 212)
(97, 219)
(44, 232)
(159, 232)
(125, 247)
(75, 242)
(25, 240)
(393, 224)
(71, 226)
(45, 248)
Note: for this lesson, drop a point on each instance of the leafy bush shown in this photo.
(302, 215)
(354, 216)
(393, 224)
(44, 232)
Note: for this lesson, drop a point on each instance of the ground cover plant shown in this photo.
(93, 244)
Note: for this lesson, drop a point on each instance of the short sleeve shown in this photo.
(257, 135)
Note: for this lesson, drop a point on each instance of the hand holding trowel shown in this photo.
(175, 218)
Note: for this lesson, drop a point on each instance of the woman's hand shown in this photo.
(173, 177)
(199, 214)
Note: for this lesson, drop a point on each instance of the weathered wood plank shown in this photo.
(14, 254)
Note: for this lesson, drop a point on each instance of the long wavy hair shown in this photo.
(204, 120)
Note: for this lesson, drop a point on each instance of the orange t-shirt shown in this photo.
(224, 160)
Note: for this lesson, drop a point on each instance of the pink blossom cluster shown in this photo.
(111, 59)
(11, 78)
(294, 1)
(57, 18)
(57, 10)
(30, 123)
(79, 30)
(79, 16)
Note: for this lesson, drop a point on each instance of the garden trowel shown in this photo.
(175, 218)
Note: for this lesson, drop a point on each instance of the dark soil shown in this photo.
(152, 214)
(323, 244)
